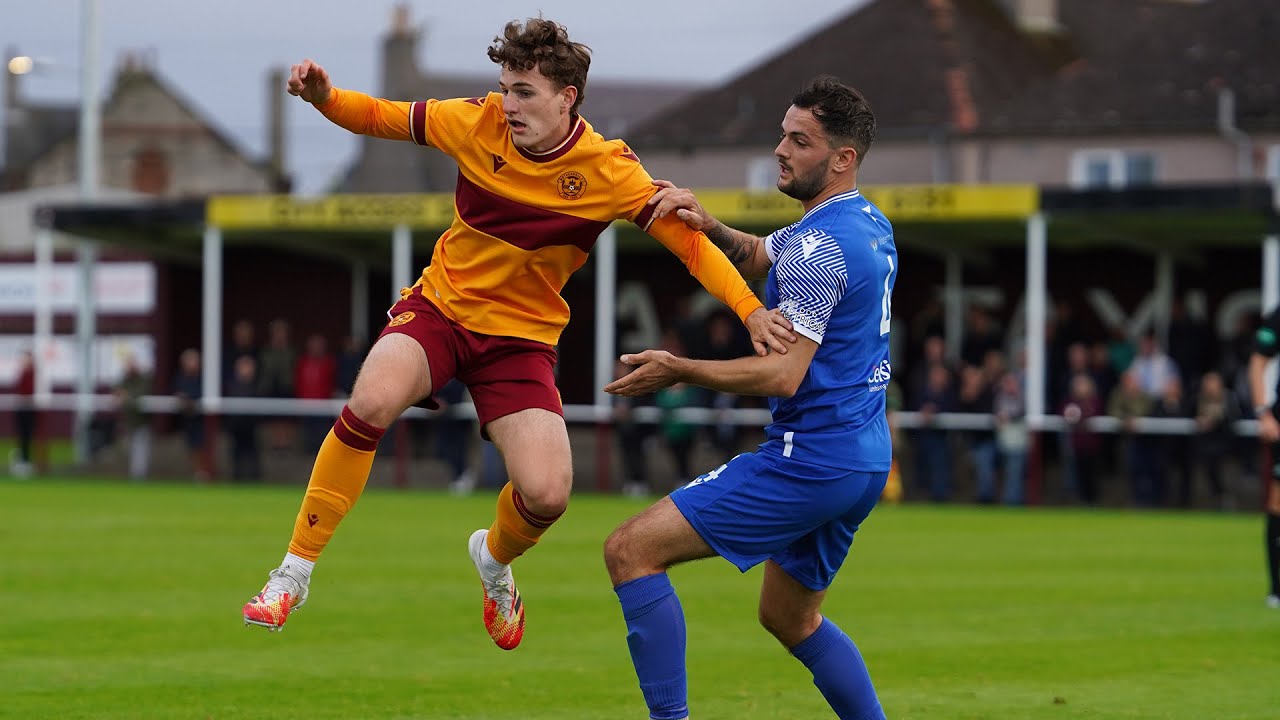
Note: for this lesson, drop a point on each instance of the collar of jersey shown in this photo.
(579, 126)
(833, 199)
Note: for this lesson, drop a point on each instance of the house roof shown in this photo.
(133, 75)
(39, 128)
(1156, 66)
(967, 67)
(32, 131)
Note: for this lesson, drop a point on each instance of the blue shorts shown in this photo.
(762, 506)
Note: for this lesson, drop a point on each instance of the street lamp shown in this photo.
(89, 147)
(21, 65)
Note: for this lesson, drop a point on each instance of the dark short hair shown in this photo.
(544, 44)
(845, 115)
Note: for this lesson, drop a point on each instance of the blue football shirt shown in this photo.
(832, 277)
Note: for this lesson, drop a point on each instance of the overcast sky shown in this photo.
(218, 53)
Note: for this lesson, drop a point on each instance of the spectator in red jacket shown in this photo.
(315, 378)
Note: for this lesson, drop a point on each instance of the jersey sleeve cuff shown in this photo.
(746, 306)
(813, 335)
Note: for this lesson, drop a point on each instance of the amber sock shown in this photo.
(337, 479)
(516, 529)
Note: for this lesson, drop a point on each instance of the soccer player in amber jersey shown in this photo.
(536, 185)
(796, 502)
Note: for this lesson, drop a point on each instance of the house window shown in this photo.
(1097, 169)
(762, 173)
(151, 171)
(1273, 163)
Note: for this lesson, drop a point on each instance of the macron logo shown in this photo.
(809, 244)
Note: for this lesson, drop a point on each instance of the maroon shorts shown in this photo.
(503, 374)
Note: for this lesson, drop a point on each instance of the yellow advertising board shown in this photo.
(901, 203)
(905, 203)
(332, 212)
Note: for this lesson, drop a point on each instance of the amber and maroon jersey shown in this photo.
(523, 221)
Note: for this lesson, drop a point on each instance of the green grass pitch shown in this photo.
(122, 601)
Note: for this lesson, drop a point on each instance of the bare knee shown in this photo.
(623, 559)
(790, 630)
(545, 494)
(376, 409)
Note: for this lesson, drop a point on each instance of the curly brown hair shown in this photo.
(544, 44)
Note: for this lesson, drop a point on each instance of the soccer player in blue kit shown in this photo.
(796, 502)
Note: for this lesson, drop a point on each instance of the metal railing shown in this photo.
(757, 417)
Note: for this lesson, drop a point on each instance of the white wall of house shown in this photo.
(1178, 159)
(18, 215)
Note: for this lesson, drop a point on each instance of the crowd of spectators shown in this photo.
(1190, 375)
(1187, 372)
(273, 370)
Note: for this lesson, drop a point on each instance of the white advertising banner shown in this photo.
(111, 354)
(127, 288)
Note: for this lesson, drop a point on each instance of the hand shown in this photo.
(1268, 428)
(683, 203)
(768, 329)
(1072, 414)
(655, 369)
(310, 82)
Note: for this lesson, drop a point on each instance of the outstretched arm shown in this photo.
(769, 330)
(773, 375)
(354, 111)
(744, 250)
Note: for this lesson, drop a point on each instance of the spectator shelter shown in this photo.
(955, 225)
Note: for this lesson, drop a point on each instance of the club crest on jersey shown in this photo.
(401, 319)
(571, 185)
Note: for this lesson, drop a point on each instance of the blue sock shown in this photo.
(655, 634)
(839, 673)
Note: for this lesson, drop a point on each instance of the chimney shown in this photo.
(276, 79)
(400, 24)
(399, 54)
(1037, 16)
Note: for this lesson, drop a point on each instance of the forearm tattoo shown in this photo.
(739, 247)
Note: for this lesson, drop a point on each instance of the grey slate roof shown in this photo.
(966, 67)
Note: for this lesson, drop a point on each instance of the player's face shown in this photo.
(536, 111)
(804, 155)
